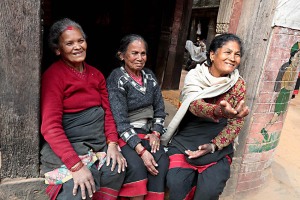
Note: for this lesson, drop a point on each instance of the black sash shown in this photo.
(85, 131)
(193, 132)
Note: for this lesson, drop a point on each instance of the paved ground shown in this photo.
(284, 183)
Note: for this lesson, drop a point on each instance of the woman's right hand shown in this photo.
(147, 158)
(83, 178)
(150, 163)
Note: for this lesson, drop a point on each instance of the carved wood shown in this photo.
(224, 15)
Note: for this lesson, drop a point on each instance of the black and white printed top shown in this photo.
(126, 96)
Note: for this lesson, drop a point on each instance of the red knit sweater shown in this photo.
(65, 90)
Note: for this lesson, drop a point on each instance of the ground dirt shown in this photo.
(284, 183)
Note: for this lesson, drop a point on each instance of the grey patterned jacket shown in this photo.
(127, 96)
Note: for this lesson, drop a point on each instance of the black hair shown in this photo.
(221, 40)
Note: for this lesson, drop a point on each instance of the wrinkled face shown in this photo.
(136, 56)
(225, 59)
(72, 47)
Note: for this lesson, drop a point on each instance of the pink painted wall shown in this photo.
(264, 135)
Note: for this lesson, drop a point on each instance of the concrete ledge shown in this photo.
(23, 189)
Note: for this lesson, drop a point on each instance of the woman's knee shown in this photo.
(172, 183)
(208, 193)
(173, 180)
(212, 181)
(111, 178)
(179, 185)
(137, 168)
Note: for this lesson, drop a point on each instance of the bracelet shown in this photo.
(109, 142)
(142, 152)
(77, 167)
(156, 134)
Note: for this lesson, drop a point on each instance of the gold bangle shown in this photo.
(77, 167)
(110, 142)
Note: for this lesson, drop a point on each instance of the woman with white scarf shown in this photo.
(200, 137)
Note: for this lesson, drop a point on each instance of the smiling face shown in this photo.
(72, 47)
(135, 56)
(226, 59)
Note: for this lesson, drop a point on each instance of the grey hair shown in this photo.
(58, 28)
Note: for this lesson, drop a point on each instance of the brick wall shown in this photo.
(266, 125)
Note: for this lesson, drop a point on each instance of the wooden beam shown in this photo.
(20, 55)
(182, 15)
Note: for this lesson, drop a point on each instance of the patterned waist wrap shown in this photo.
(194, 131)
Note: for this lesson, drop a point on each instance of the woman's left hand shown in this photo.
(240, 111)
(114, 155)
(202, 150)
(154, 142)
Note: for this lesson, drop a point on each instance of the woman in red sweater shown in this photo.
(81, 149)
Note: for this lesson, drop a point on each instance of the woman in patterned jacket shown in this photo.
(138, 109)
(208, 121)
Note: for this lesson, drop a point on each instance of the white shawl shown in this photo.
(199, 84)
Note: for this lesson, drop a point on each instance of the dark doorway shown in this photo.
(105, 22)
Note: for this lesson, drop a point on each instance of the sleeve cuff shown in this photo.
(71, 160)
(133, 141)
(158, 128)
(213, 116)
(113, 137)
(219, 146)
